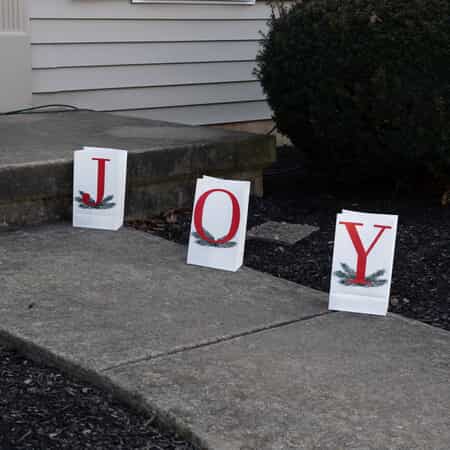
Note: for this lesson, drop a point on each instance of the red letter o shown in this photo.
(235, 219)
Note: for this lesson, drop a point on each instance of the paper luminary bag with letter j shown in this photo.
(362, 262)
(219, 222)
(99, 188)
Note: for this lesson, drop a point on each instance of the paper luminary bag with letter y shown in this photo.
(99, 188)
(219, 222)
(362, 262)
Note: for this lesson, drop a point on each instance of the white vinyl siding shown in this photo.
(187, 63)
(210, 114)
(47, 31)
(110, 54)
(89, 78)
(158, 97)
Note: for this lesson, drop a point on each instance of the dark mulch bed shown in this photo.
(43, 409)
(421, 278)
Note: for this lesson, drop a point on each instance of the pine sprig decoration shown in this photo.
(86, 202)
(375, 275)
(350, 272)
(347, 277)
(204, 243)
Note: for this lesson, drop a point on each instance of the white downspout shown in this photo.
(15, 55)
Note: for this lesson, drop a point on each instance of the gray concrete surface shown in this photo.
(238, 361)
(102, 299)
(336, 382)
(281, 232)
(36, 154)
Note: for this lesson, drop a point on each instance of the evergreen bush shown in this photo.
(362, 86)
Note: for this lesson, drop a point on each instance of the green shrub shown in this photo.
(362, 86)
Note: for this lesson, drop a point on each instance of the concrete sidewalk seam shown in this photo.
(212, 342)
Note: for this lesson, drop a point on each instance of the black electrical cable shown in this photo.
(67, 108)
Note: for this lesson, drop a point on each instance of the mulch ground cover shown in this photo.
(43, 409)
(421, 277)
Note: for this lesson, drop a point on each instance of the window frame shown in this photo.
(195, 2)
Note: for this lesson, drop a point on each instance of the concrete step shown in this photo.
(36, 161)
(234, 360)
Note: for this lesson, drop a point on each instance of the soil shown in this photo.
(421, 276)
(44, 409)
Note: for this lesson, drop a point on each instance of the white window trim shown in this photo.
(199, 2)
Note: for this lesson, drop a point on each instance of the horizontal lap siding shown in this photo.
(156, 97)
(187, 63)
(65, 31)
(110, 54)
(122, 9)
(88, 78)
(206, 114)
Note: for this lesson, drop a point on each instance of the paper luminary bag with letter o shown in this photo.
(362, 262)
(99, 188)
(219, 222)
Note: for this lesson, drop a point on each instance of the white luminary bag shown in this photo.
(99, 188)
(362, 262)
(219, 222)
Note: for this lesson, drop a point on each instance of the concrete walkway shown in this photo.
(242, 361)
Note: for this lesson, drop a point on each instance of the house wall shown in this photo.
(177, 62)
(15, 67)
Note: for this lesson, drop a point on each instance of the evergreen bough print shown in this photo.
(86, 202)
(204, 243)
(347, 277)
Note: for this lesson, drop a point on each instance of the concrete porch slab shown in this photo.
(338, 381)
(36, 154)
(103, 299)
